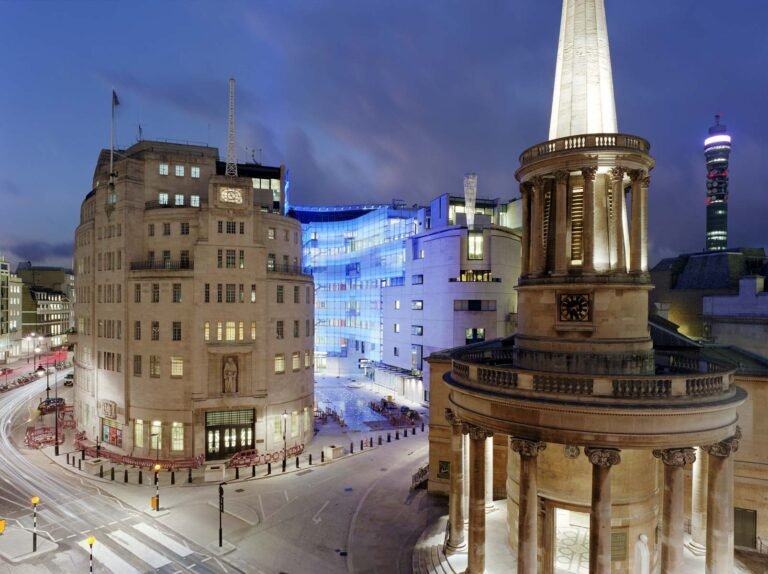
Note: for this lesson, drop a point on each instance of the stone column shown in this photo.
(602, 460)
(561, 222)
(465, 486)
(720, 505)
(645, 182)
(635, 236)
(618, 257)
(489, 474)
(527, 528)
(476, 551)
(699, 502)
(525, 258)
(672, 524)
(588, 234)
(538, 246)
(456, 540)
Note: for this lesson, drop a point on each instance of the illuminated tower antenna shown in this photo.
(231, 153)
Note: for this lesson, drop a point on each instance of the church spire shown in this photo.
(583, 100)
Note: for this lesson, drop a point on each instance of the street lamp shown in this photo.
(285, 444)
(30, 345)
(35, 500)
(156, 436)
(91, 541)
(221, 510)
(157, 488)
(37, 352)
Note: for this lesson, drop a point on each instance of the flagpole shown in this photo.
(112, 138)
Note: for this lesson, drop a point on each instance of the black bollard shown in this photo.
(379, 440)
(173, 477)
(269, 468)
(413, 431)
(73, 462)
(297, 462)
(141, 479)
(422, 427)
(189, 475)
(125, 475)
(389, 437)
(361, 444)
(80, 464)
(310, 459)
(112, 473)
(371, 442)
(284, 463)
(101, 471)
(67, 458)
(351, 448)
(322, 456)
(237, 472)
(82, 454)
(253, 470)
(397, 435)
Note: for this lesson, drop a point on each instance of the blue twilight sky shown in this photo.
(368, 100)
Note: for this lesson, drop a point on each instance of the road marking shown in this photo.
(163, 539)
(261, 507)
(316, 518)
(141, 550)
(112, 523)
(103, 554)
(13, 502)
(285, 492)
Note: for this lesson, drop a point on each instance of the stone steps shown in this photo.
(431, 560)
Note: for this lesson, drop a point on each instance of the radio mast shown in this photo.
(231, 170)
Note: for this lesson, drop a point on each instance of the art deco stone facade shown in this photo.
(194, 319)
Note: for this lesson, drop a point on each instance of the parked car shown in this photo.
(69, 379)
(50, 405)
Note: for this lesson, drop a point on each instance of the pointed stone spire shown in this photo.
(583, 97)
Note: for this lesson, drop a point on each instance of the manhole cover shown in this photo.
(239, 490)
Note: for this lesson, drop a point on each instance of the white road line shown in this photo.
(110, 560)
(163, 539)
(285, 492)
(261, 507)
(14, 502)
(147, 554)
(316, 518)
(112, 523)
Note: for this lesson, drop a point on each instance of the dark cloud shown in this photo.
(41, 253)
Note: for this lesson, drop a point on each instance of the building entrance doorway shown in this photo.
(745, 527)
(228, 432)
(571, 542)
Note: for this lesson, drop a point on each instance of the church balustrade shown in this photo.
(500, 377)
(584, 142)
(570, 385)
(704, 386)
(642, 388)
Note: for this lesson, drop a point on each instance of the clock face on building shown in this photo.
(230, 195)
(574, 307)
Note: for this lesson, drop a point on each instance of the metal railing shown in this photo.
(162, 265)
(286, 268)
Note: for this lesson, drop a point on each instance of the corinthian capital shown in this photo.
(636, 175)
(727, 447)
(475, 432)
(588, 173)
(561, 176)
(527, 447)
(676, 456)
(617, 173)
(604, 457)
(539, 183)
(452, 417)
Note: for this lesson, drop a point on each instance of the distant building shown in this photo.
(458, 289)
(10, 313)
(682, 282)
(194, 318)
(740, 319)
(717, 150)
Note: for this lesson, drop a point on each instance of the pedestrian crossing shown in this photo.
(122, 551)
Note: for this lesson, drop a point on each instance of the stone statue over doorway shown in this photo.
(230, 374)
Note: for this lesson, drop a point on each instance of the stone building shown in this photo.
(579, 401)
(193, 316)
(10, 312)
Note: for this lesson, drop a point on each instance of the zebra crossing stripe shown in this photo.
(110, 560)
(153, 533)
(139, 549)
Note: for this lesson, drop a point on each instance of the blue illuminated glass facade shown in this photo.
(353, 253)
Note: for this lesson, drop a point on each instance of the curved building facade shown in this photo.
(193, 316)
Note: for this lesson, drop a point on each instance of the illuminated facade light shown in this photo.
(722, 138)
(717, 150)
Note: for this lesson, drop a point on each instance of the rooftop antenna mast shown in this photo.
(231, 149)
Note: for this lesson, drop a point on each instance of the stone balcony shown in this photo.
(684, 402)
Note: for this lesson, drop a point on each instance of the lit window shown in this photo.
(417, 330)
(177, 435)
(207, 331)
(253, 330)
(396, 327)
(296, 361)
(157, 435)
(163, 169)
(162, 198)
(475, 245)
(417, 304)
(241, 330)
(307, 363)
(271, 233)
(194, 201)
(397, 303)
(194, 171)
(177, 367)
(279, 363)
(253, 293)
(138, 433)
(179, 171)
(271, 262)
(230, 330)
(219, 330)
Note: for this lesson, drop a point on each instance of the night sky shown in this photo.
(366, 101)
